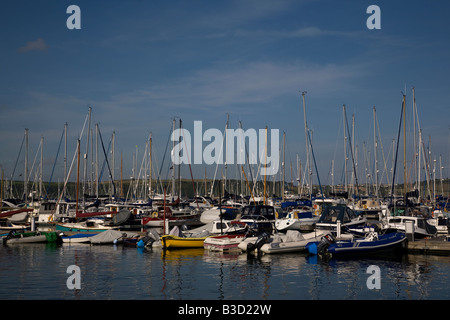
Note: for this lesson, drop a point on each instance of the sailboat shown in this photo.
(89, 225)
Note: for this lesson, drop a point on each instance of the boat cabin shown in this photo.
(332, 214)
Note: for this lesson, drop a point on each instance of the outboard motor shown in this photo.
(262, 239)
(325, 243)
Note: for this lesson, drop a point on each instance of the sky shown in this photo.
(140, 64)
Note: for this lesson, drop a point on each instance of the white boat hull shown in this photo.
(223, 243)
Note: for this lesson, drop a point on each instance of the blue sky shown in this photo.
(139, 64)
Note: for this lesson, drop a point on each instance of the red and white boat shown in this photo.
(224, 243)
(228, 235)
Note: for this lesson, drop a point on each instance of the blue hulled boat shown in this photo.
(370, 244)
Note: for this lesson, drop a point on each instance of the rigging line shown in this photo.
(218, 159)
(190, 169)
(107, 162)
(54, 164)
(315, 165)
(396, 153)
(351, 152)
(17, 160)
(162, 163)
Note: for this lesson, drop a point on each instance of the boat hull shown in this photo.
(78, 238)
(387, 242)
(223, 243)
(174, 242)
(79, 228)
(283, 246)
(32, 237)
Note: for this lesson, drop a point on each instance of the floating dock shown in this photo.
(438, 246)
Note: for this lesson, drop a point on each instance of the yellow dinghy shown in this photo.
(174, 242)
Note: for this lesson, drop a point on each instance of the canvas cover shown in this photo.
(110, 236)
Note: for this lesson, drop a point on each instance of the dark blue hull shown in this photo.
(387, 242)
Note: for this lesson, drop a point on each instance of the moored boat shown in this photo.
(32, 237)
(260, 218)
(372, 243)
(223, 243)
(174, 242)
(291, 241)
(78, 237)
(342, 215)
(91, 225)
(302, 220)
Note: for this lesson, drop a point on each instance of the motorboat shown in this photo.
(260, 218)
(32, 237)
(344, 216)
(371, 243)
(77, 237)
(291, 241)
(297, 219)
(224, 242)
(422, 228)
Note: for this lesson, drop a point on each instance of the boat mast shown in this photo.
(65, 155)
(85, 157)
(42, 167)
(226, 154)
(25, 177)
(179, 164)
(173, 163)
(96, 160)
(345, 150)
(265, 169)
(284, 159)
(375, 145)
(78, 175)
(306, 139)
(404, 145)
(150, 159)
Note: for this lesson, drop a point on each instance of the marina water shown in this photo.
(110, 272)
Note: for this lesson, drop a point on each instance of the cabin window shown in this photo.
(222, 226)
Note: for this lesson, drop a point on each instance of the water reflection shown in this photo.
(38, 271)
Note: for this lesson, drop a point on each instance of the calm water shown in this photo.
(39, 272)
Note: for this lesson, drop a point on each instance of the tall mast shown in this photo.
(345, 149)
(25, 177)
(96, 160)
(78, 175)
(65, 155)
(179, 165)
(265, 169)
(306, 139)
(375, 146)
(173, 163)
(85, 157)
(150, 169)
(112, 161)
(226, 153)
(42, 167)
(284, 162)
(404, 144)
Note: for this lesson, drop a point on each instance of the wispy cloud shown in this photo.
(36, 45)
(254, 84)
